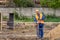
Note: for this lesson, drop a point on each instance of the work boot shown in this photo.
(42, 39)
(39, 38)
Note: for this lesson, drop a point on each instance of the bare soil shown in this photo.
(22, 29)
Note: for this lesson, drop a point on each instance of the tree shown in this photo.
(24, 3)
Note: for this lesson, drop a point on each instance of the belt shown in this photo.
(41, 21)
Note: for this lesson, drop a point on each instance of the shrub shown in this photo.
(16, 16)
(5, 18)
(24, 3)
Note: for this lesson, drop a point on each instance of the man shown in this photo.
(39, 19)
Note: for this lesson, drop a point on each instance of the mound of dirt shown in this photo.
(54, 33)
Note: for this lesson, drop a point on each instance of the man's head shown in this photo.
(37, 11)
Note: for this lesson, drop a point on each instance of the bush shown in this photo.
(21, 17)
(24, 3)
(52, 18)
(5, 18)
(16, 16)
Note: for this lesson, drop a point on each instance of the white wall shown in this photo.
(28, 11)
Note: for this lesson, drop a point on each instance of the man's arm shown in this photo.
(35, 20)
(43, 18)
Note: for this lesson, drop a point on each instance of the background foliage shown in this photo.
(50, 3)
(24, 3)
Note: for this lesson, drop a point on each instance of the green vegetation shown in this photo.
(52, 18)
(29, 3)
(50, 3)
(22, 18)
(5, 18)
(24, 3)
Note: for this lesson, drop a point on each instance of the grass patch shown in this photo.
(46, 20)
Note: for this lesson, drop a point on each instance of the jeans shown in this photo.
(40, 32)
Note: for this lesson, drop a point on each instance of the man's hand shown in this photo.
(36, 26)
(39, 21)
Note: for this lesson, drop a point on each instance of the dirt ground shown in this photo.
(22, 29)
(54, 33)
